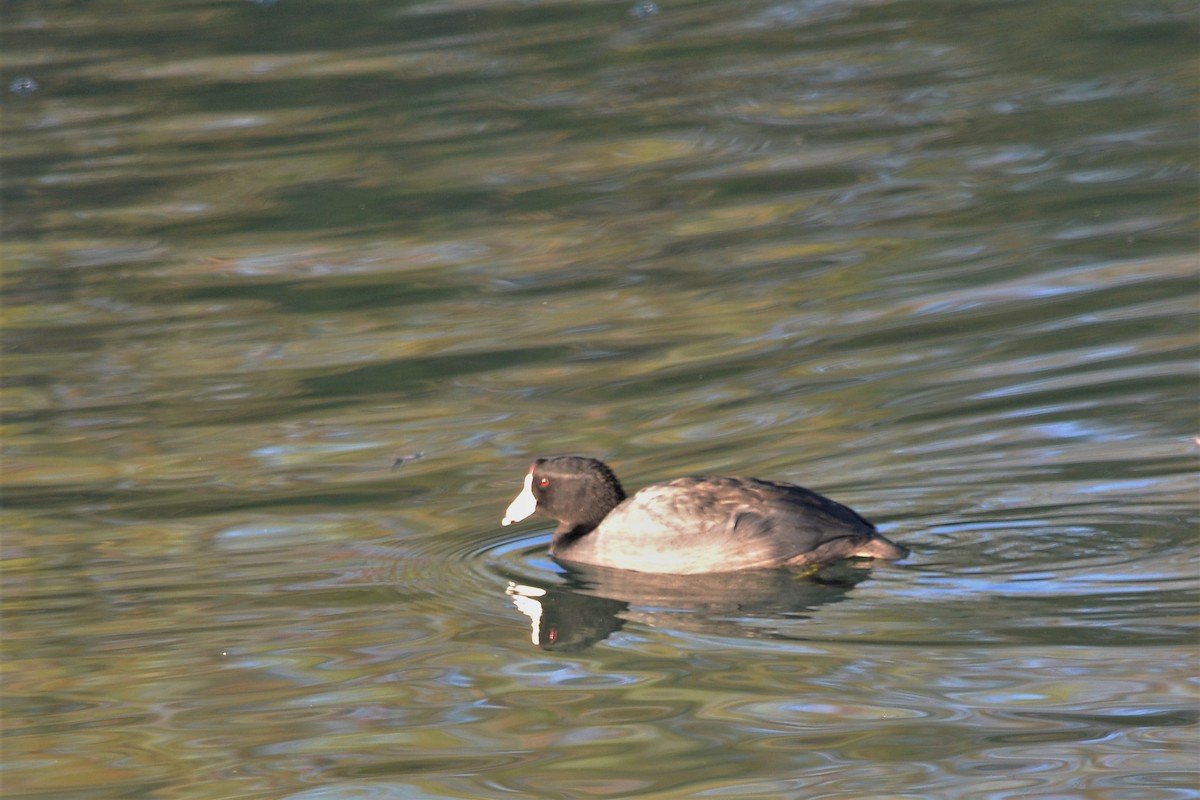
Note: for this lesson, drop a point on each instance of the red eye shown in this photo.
(543, 482)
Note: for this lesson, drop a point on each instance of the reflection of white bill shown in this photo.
(523, 597)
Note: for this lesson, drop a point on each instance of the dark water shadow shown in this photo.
(591, 603)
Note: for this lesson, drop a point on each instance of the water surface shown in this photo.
(934, 260)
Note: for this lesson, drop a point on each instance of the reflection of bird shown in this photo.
(593, 602)
(690, 525)
(560, 620)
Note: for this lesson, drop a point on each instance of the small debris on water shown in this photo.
(643, 9)
(23, 85)
(400, 460)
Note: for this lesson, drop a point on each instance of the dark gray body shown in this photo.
(690, 525)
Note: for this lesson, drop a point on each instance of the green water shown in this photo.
(934, 260)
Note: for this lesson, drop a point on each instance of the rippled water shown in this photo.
(294, 291)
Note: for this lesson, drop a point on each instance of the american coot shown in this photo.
(690, 525)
